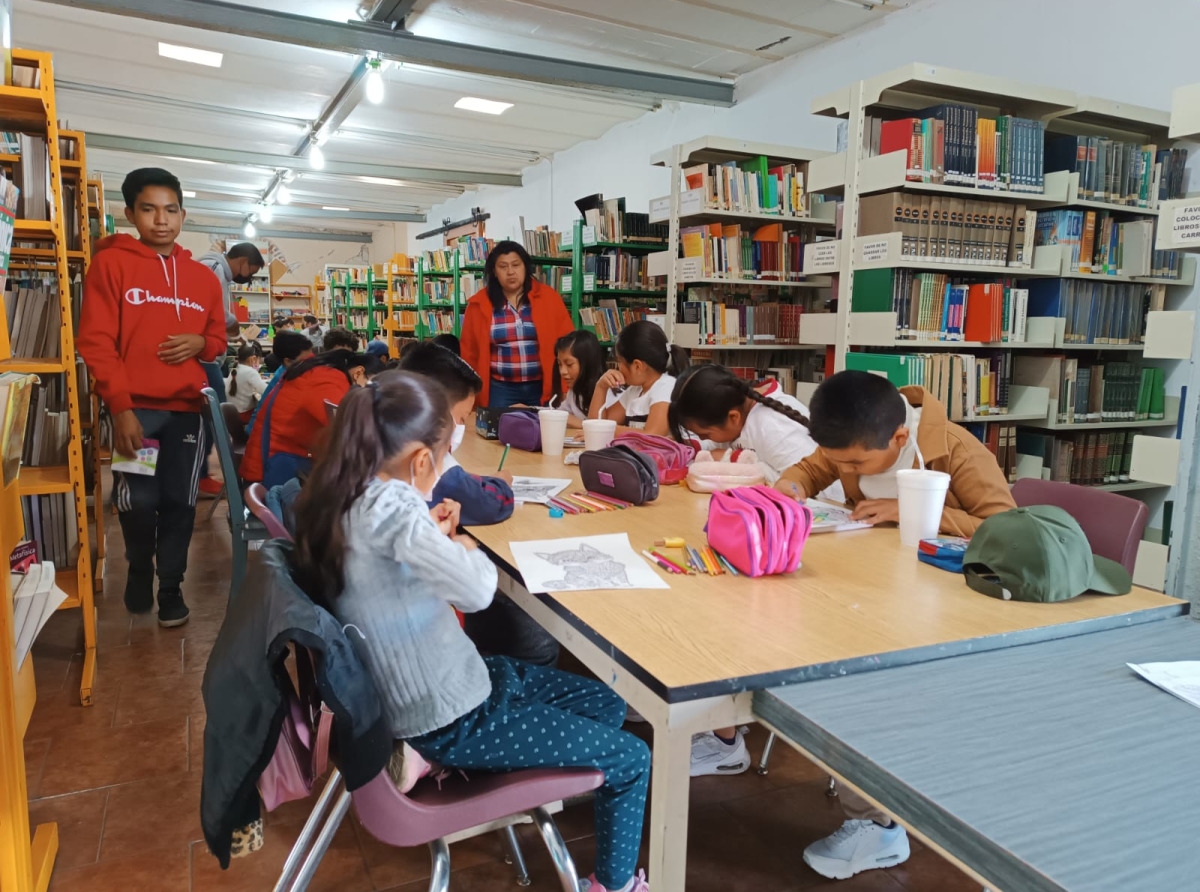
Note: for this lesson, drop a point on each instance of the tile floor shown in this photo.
(122, 780)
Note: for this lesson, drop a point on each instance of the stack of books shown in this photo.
(1096, 312)
(614, 224)
(750, 186)
(951, 229)
(1118, 172)
(968, 386)
(619, 269)
(48, 431)
(50, 522)
(738, 321)
(1087, 459)
(1099, 243)
(438, 290)
(938, 307)
(473, 250)
(768, 253)
(1001, 441)
(1088, 393)
(544, 242)
(437, 323)
(34, 318)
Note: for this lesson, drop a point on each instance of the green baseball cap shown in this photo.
(1038, 553)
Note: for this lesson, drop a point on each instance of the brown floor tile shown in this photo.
(196, 648)
(80, 819)
(195, 734)
(171, 806)
(35, 763)
(146, 659)
(341, 870)
(60, 712)
(154, 699)
(121, 756)
(787, 769)
(871, 881)
(149, 872)
(52, 665)
(926, 869)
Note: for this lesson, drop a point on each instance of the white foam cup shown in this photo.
(554, 430)
(598, 433)
(922, 498)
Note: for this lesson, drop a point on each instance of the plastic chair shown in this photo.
(237, 435)
(1113, 523)
(256, 501)
(243, 528)
(330, 411)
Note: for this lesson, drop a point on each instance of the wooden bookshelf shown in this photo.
(52, 236)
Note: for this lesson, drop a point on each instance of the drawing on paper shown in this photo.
(537, 489)
(583, 563)
(586, 568)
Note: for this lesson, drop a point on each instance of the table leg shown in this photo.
(670, 788)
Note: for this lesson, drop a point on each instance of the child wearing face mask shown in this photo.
(369, 547)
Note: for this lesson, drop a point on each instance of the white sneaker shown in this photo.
(710, 755)
(857, 846)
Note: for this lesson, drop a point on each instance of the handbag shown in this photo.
(521, 429)
(760, 531)
(620, 473)
(705, 474)
(671, 458)
(302, 751)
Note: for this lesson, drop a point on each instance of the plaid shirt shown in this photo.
(514, 344)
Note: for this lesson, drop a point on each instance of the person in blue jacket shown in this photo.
(503, 628)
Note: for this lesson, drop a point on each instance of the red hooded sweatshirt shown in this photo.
(133, 300)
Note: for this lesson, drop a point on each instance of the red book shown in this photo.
(981, 314)
(903, 135)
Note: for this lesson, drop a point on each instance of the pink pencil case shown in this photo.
(759, 530)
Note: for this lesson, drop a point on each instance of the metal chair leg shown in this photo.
(309, 869)
(439, 878)
(311, 826)
(240, 551)
(831, 791)
(765, 761)
(514, 855)
(216, 502)
(563, 863)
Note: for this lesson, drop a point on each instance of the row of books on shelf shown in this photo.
(33, 316)
(50, 522)
(1112, 313)
(742, 321)
(952, 229)
(473, 249)
(749, 186)
(438, 290)
(354, 319)
(1119, 172)
(32, 175)
(543, 242)
(1099, 243)
(1001, 441)
(619, 269)
(969, 386)
(615, 224)
(764, 253)
(606, 319)
(1089, 393)
(48, 429)
(405, 320)
(436, 323)
(554, 276)
(9, 196)
(953, 145)
(938, 307)
(1085, 459)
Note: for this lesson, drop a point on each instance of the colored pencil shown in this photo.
(706, 553)
(599, 506)
(564, 506)
(616, 503)
(668, 567)
(581, 505)
(712, 556)
(728, 566)
(694, 557)
(503, 458)
(662, 557)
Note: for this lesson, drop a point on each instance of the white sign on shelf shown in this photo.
(1185, 224)
(875, 250)
(589, 236)
(691, 202)
(660, 209)
(589, 281)
(821, 257)
(567, 239)
(691, 268)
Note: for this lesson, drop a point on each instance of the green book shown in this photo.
(1143, 396)
(1158, 395)
(758, 165)
(873, 289)
(896, 367)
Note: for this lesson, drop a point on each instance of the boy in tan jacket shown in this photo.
(866, 430)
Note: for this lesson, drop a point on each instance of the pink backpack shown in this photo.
(759, 530)
(672, 458)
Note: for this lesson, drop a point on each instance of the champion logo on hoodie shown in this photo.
(139, 296)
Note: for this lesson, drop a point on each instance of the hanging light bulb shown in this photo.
(266, 213)
(283, 195)
(375, 83)
(249, 230)
(316, 158)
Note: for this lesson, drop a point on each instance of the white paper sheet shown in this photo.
(832, 518)
(537, 489)
(583, 563)
(1181, 678)
(42, 600)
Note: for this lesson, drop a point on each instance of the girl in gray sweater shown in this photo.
(369, 548)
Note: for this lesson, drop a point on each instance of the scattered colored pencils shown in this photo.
(662, 562)
(677, 567)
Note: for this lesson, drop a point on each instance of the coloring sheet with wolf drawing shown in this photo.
(537, 489)
(584, 563)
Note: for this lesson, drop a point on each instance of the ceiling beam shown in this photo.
(287, 210)
(392, 12)
(136, 146)
(362, 38)
(356, 237)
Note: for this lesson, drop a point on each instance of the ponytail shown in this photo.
(648, 342)
(244, 353)
(372, 425)
(678, 360)
(705, 395)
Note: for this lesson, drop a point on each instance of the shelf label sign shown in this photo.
(691, 202)
(821, 257)
(589, 281)
(1185, 224)
(660, 209)
(875, 250)
(691, 268)
(567, 281)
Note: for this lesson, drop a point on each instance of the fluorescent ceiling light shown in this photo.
(249, 230)
(327, 208)
(266, 214)
(316, 158)
(188, 194)
(190, 54)
(485, 106)
(283, 194)
(381, 181)
(188, 160)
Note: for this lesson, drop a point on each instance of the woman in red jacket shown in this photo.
(293, 415)
(510, 328)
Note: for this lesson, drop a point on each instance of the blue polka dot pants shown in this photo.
(538, 717)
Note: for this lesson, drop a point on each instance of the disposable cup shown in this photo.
(554, 430)
(598, 433)
(922, 498)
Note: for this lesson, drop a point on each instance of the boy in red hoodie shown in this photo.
(150, 315)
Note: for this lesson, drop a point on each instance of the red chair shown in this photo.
(256, 501)
(1113, 523)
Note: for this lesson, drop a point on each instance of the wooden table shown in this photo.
(1051, 768)
(688, 658)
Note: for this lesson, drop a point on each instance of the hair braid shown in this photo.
(771, 403)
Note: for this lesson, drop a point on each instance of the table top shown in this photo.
(859, 602)
(1050, 768)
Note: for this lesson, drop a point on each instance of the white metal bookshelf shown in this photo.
(853, 173)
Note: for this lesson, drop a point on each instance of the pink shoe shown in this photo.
(639, 884)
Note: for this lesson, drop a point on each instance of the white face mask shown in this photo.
(456, 438)
(427, 495)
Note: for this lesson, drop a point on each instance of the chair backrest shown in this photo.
(1113, 523)
(256, 501)
(330, 410)
(233, 423)
(229, 465)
